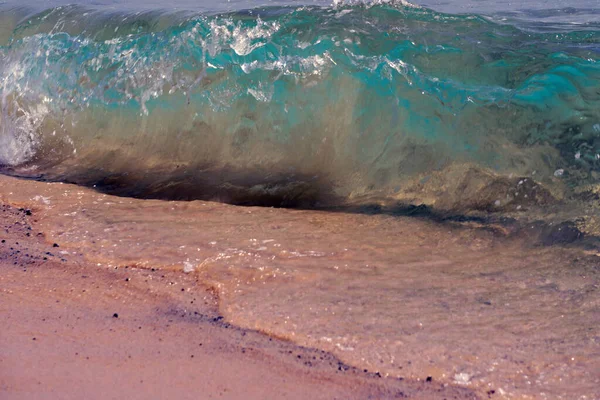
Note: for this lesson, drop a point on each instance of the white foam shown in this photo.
(188, 267)
(370, 3)
(19, 132)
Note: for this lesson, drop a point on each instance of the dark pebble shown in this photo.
(429, 379)
(115, 315)
(27, 212)
(3, 241)
(562, 233)
(126, 279)
(55, 245)
(34, 339)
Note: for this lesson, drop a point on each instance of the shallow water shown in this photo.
(401, 296)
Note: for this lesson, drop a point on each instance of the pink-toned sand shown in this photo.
(71, 330)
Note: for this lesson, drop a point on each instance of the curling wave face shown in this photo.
(303, 106)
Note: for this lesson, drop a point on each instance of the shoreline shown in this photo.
(73, 328)
(403, 298)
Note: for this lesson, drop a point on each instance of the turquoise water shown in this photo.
(319, 104)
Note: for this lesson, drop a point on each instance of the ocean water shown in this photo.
(305, 105)
(433, 169)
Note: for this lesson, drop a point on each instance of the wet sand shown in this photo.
(73, 330)
(396, 306)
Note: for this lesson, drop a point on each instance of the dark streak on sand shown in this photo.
(158, 327)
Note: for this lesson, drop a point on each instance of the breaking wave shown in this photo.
(308, 106)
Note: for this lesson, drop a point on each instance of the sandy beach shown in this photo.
(125, 298)
(292, 199)
(73, 330)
